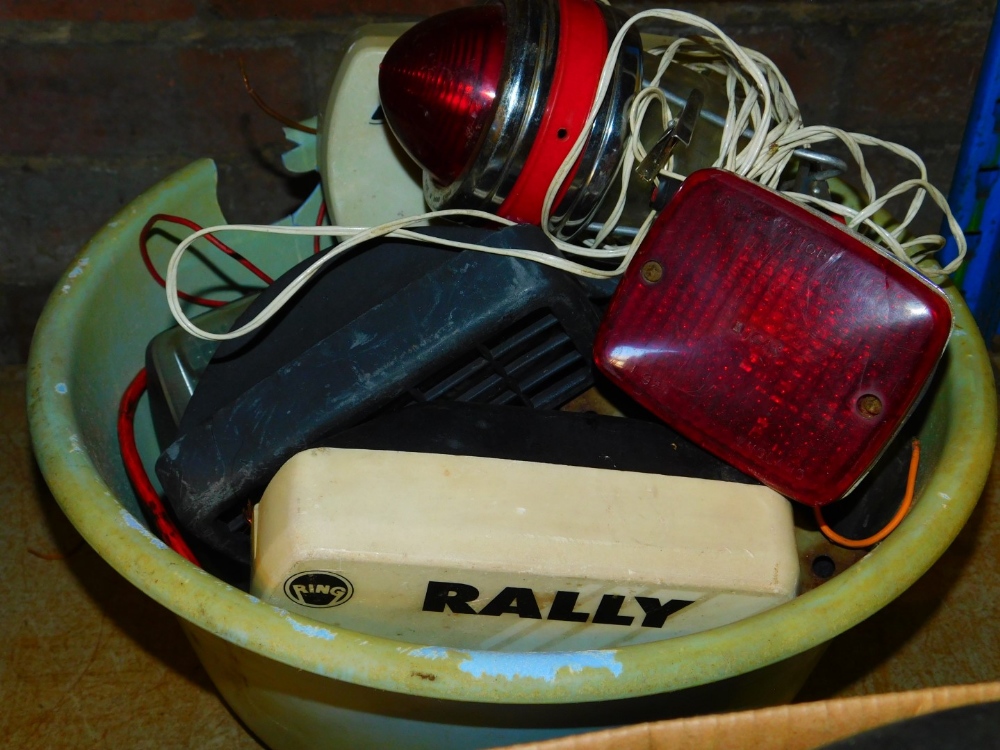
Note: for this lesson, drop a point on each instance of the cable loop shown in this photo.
(762, 129)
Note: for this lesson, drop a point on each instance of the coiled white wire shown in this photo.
(760, 100)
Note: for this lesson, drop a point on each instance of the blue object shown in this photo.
(975, 196)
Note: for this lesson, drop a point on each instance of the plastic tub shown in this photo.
(299, 684)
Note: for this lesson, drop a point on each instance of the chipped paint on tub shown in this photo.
(429, 652)
(311, 631)
(76, 273)
(533, 665)
(78, 269)
(538, 665)
(133, 523)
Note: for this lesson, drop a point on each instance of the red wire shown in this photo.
(144, 250)
(137, 473)
(320, 218)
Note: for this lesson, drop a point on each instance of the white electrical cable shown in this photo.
(356, 235)
(760, 100)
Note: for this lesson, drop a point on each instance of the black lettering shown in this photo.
(656, 613)
(563, 606)
(456, 596)
(608, 609)
(515, 601)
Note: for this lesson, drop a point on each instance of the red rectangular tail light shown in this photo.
(771, 336)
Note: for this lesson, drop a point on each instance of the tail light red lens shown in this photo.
(770, 336)
(438, 84)
(490, 100)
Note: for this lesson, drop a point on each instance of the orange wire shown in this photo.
(878, 536)
(268, 109)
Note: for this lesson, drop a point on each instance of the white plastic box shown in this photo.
(489, 553)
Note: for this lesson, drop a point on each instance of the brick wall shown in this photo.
(100, 100)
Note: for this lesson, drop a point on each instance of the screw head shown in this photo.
(870, 405)
(651, 271)
(823, 566)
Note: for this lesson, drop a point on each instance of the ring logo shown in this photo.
(317, 588)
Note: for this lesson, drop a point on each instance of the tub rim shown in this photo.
(813, 618)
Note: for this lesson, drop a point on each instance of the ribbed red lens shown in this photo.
(769, 336)
(438, 84)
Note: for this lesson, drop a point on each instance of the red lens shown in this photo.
(771, 337)
(438, 82)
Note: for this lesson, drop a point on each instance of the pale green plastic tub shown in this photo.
(298, 684)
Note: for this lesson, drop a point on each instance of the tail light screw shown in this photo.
(824, 566)
(652, 271)
(870, 405)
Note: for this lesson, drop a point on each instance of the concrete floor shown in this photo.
(87, 660)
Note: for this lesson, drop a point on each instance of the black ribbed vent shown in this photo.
(531, 363)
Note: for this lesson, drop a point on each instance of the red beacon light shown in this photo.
(771, 336)
(489, 100)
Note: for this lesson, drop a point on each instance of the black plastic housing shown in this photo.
(400, 323)
(550, 437)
